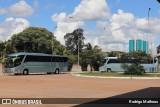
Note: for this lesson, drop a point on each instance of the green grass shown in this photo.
(106, 74)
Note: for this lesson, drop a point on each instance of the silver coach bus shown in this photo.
(114, 64)
(27, 63)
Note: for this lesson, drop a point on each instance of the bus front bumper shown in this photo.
(102, 68)
(11, 71)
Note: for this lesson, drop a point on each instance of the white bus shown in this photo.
(26, 63)
(114, 64)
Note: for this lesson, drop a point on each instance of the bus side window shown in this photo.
(65, 59)
(111, 61)
(57, 59)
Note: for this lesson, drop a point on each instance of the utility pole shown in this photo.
(151, 48)
(78, 37)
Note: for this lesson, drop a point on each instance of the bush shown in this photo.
(135, 59)
(132, 69)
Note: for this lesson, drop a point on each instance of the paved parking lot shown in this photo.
(69, 86)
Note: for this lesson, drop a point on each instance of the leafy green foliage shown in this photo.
(34, 39)
(112, 54)
(72, 40)
(132, 69)
(92, 56)
(39, 40)
(136, 59)
(72, 60)
(2, 49)
(115, 53)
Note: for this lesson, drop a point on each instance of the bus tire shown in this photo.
(56, 71)
(142, 71)
(25, 72)
(109, 70)
(16, 74)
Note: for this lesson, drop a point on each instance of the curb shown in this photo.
(78, 75)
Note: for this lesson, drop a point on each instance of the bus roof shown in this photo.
(39, 54)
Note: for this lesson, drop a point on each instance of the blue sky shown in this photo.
(138, 7)
(122, 19)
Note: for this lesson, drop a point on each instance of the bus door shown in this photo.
(113, 64)
(55, 63)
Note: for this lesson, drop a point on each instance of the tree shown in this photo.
(115, 54)
(72, 40)
(136, 59)
(92, 56)
(158, 1)
(97, 57)
(34, 39)
(2, 49)
(86, 56)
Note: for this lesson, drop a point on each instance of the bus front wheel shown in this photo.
(25, 72)
(109, 70)
(56, 71)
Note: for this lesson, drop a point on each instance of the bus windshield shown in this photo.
(13, 61)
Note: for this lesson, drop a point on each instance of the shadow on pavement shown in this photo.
(151, 95)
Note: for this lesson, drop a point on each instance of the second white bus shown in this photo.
(113, 64)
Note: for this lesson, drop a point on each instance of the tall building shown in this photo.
(131, 45)
(138, 45)
(145, 47)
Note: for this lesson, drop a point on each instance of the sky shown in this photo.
(109, 24)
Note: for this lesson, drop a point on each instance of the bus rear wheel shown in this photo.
(25, 72)
(142, 71)
(56, 71)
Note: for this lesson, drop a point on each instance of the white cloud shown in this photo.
(12, 26)
(18, 9)
(63, 28)
(36, 5)
(111, 35)
(118, 1)
(159, 11)
(120, 33)
(2, 11)
(91, 10)
(64, 25)
(143, 25)
(58, 17)
(120, 29)
(86, 10)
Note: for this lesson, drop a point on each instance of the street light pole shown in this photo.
(149, 31)
(5, 46)
(78, 37)
(149, 9)
(52, 37)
